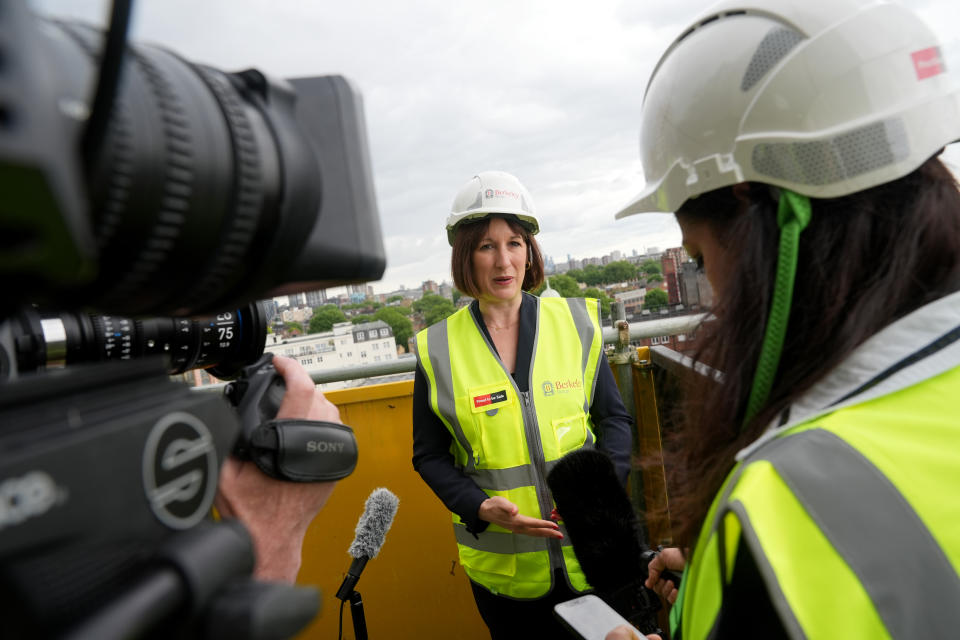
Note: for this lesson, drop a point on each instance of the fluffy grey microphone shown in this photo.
(375, 521)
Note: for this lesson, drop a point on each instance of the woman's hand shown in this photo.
(500, 511)
(276, 512)
(672, 559)
(626, 632)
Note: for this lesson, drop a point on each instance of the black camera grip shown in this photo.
(293, 450)
(256, 393)
(305, 450)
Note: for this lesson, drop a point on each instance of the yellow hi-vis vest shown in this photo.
(853, 519)
(507, 441)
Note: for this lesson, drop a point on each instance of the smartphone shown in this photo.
(590, 617)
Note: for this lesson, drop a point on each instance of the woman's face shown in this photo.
(499, 263)
(701, 243)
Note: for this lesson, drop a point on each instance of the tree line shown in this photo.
(434, 308)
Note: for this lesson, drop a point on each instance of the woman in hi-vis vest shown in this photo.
(815, 481)
(504, 387)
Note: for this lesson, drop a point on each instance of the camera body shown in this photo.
(130, 252)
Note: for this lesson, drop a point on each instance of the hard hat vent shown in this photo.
(774, 46)
(822, 162)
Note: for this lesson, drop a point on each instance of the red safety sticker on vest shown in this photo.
(490, 398)
(927, 62)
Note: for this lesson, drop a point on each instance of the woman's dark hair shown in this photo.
(468, 237)
(865, 260)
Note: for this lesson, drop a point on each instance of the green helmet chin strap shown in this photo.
(793, 215)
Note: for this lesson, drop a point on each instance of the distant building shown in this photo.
(446, 290)
(347, 345)
(359, 292)
(316, 298)
(300, 314)
(429, 286)
(295, 300)
(695, 288)
(632, 300)
(271, 308)
(406, 294)
(671, 261)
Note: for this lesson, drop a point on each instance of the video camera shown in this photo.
(147, 204)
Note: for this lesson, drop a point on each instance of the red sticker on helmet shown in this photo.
(927, 62)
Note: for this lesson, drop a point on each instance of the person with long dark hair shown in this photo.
(504, 388)
(814, 480)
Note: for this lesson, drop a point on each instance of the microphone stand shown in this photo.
(356, 613)
(347, 592)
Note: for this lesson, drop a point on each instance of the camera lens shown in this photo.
(222, 343)
(204, 189)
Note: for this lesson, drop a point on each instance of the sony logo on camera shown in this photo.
(324, 446)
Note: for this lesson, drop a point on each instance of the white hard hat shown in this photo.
(492, 192)
(822, 97)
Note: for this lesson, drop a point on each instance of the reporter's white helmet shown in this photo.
(822, 97)
(491, 192)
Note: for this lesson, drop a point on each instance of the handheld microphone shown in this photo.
(606, 534)
(372, 527)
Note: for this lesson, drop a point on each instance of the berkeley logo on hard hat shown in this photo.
(500, 193)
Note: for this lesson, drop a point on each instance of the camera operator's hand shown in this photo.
(277, 513)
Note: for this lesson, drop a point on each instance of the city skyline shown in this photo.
(379, 289)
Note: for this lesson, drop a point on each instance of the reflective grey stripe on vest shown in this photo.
(438, 348)
(585, 329)
(502, 542)
(503, 479)
(515, 477)
(902, 568)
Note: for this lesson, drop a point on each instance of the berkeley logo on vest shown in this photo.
(560, 386)
(489, 399)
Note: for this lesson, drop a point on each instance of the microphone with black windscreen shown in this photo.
(606, 534)
(372, 527)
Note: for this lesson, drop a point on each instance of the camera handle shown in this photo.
(204, 573)
(289, 449)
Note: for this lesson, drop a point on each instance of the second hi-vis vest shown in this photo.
(507, 441)
(853, 519)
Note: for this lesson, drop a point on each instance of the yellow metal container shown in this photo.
(415, 587)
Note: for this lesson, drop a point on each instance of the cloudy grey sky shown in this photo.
(549, 90)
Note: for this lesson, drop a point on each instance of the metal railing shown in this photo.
(407, 364)
(645, 329)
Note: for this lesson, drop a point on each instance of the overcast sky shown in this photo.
(549, 90)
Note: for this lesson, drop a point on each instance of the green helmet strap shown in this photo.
(793, 215)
